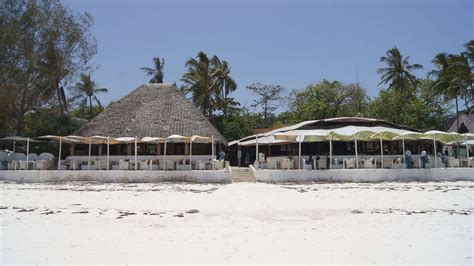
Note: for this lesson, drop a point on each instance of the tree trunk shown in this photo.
(457, 113)
(90, 104)
(58, 92)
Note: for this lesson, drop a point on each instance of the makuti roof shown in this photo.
(151, 110)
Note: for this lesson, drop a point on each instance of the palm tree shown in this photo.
(453, 79)
(87, 90)
(209, 82)
(156, 72)
(397, 74)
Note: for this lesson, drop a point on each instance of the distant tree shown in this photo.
(44, 45)
(268, 97)
(156, 72)
(424, 110)
(398, 71)
(454, 77)
(326, 99)
(86, 90)
(209, 83)
(237, 125)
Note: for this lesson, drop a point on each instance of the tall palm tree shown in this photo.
(156, 72)
(398, 72)
(87, 90)
(225, 83)
(208, 81)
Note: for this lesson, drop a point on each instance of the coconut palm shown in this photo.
(398, 73)
(87, 90)
(208, 81)
(156, 72)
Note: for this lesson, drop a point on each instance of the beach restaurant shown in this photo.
(352, 143)
(155, 127)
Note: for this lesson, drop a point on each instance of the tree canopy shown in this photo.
(44, 45)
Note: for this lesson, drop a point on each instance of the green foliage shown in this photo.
(156, 72)
(43, 45)
(86, 91)
(424, 110)
(48, 122)
(209, 82)
(397, 73)
(325, 100)
(269, 96)
(236, 126)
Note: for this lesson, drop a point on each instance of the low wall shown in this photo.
(115, 176)
(364, 175)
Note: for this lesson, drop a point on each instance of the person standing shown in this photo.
(423, 159)
(408, 161)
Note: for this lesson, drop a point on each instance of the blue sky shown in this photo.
(291, 43)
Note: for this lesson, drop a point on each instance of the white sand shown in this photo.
(239, 223)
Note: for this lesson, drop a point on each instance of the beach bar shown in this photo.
(154, 129)
(353, 148)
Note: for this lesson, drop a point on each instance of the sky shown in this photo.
(290, 43)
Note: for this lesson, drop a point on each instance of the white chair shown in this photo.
(416, 163)
(170, 165)
(200, 165)
(285, 164)
(454, 162)
(350, 163)
(271, 164)
(219, 165)
(368, 163)
(144, 165)
(387, 163)
(322, 163)
(123, 165)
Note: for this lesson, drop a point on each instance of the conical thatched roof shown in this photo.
(152, 110)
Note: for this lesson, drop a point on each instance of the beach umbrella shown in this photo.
(409, 135)
(152, 140)
(60, 139)
(197, 139)
(175, 138)
(385, 135)
(363, 135)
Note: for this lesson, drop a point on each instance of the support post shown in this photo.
(256, 152)
(213, 152)
(108, 152)
(164, 163)
(136, 160)
(299, 154)
(356, 153)
(467, 151)
(381, 152)
(27, 153)
(191, 154)
(89, 160)
(434, 150)
(403, 147)
(330, 152)
(59, 155)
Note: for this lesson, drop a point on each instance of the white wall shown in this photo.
(38, 176)
(365, 175)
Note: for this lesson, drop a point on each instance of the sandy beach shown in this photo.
(237, 223)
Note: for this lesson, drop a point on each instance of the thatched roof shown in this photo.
(466, 123)
(152, 110)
